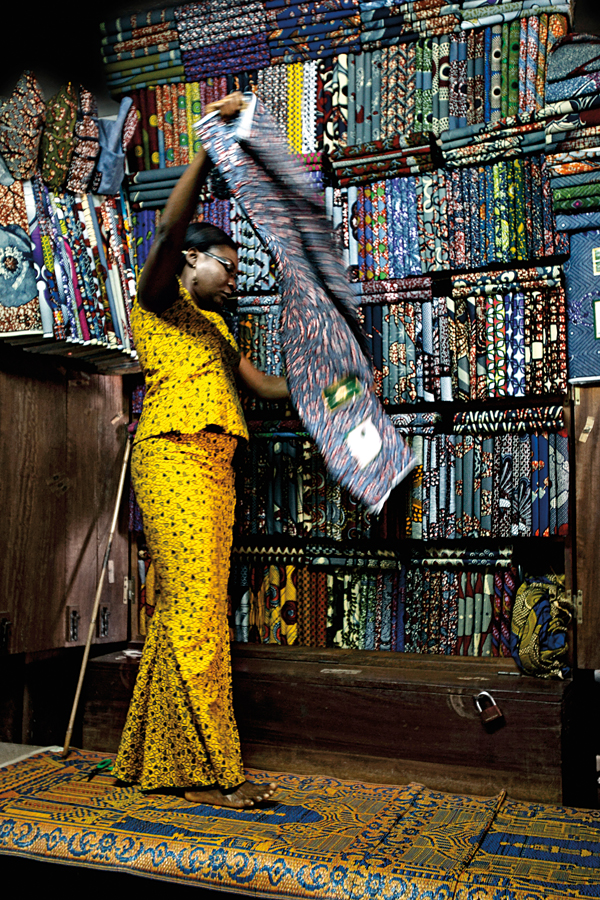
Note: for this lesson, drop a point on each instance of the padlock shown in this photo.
(487, 708)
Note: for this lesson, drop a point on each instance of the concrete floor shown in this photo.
(12, 752)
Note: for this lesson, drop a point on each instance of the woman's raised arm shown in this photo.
(157, 287)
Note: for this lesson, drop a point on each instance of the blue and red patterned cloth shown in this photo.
(329, 376)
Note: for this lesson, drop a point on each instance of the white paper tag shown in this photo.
(597, 319)
(364, 442)
(589, 424)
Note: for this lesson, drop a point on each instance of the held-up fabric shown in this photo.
(327, 371)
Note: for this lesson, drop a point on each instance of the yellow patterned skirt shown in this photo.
(180, 730)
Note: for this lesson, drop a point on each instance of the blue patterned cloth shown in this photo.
(329, 376)
(582, 279)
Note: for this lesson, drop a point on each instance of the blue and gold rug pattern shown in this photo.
(319, 838)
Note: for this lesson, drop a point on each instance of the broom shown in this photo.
(86, 653)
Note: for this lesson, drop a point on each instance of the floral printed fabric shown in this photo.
(19, 303)
(58, 138)
(21, 123)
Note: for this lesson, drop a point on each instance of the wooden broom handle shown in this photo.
(86, 652)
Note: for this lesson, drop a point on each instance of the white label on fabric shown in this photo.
(553, 331)
(364, 442)
(537, 350)
(597, 319)
(596, 260)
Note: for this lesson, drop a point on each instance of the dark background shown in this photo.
(61, 41)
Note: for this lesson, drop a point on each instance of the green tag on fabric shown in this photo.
(342, 392)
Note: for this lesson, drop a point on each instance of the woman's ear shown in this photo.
(191, 257)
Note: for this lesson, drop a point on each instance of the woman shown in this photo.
(180, 731)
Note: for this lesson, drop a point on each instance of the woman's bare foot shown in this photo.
(243, 797)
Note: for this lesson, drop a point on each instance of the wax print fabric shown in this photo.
(541, 616)
(22, 119)
(582, 279)
(19, 301)
(329, 378)
(86, 144)
(447, 601)
(141, 49)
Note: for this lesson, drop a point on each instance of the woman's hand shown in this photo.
(228, 106)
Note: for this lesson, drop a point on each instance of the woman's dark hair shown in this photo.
(203, 235)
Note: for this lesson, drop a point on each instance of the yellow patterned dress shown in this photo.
(180, 730)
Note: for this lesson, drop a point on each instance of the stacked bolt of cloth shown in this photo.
(141, 49)
(573, 129)
(310, 30)
(220, 36)
(385, 23)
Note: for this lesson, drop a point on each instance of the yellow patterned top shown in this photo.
(188, 356)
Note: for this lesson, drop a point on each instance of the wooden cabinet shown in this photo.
(62, 439)
(385, 717)
(586, 523)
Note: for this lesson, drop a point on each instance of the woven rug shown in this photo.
(320, 838)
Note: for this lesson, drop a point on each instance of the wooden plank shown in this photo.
(33, 500)
(587, 522)
(112, 436)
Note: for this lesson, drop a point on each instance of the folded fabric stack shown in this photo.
(573, 130)
(497, 86)
(256, 267)
(143, 230)
(443, 220)
(460, 603)
(464, 609)
(141, 49)
(310, 29)
(385, 23)
(507, 334)
(500, 473)
(391, 158)
(82, 248)
(505, 139)
(492, 478)
(166, 116)
(150, 189)
(409, 344)
(258, 330)
(219, 36)
(477, 13)
(290, 93)
(285, 490)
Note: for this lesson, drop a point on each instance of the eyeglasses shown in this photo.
(227, 264)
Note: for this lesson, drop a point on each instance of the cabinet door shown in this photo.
(94, 453)
(586, 453)
(60, 458)
(33, 435)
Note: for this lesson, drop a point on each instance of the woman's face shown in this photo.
(208, 279)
